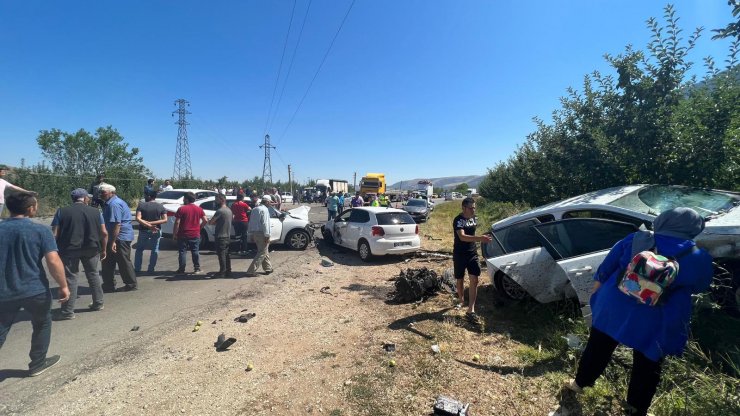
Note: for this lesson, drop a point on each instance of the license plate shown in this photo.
(403, 243)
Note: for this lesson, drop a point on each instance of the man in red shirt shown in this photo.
(189, 220)
(241, 211)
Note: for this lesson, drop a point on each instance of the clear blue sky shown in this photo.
(418, 88)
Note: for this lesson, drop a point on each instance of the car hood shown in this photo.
(300, 213)
(721, 236)
(414, 209)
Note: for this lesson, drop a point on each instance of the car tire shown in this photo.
(364, 251)
(508, 287)
(204, 243)
(298, 239)
(327, 235)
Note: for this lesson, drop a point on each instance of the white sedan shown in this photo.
(374, 231)
(286, 227)
(175, 196)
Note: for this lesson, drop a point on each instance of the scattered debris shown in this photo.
(392, 363)
(445, 406)
(574, 341)
(214, 322)
(136, 328)
(325, 290)
(389, 347)
(476, 358)
(429, 237)
(415, 285)
(245, 317)
(326, 262)
(433, 255)
(436, 349)
(250, 366)
(222, 343)
(448, 281)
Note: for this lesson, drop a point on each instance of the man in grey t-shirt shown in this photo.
(222, 220)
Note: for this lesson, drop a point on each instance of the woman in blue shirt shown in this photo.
(653, 332)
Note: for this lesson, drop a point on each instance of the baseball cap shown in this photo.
(80, 193)
(266, 198)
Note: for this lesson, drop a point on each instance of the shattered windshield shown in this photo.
(655, 199)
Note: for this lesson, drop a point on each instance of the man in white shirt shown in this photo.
(6, 185)
(166, 187)
(258, 230)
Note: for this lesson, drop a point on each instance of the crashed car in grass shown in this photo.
(552, 252)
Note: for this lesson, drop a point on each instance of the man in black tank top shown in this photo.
(81, 237)
(465, 256)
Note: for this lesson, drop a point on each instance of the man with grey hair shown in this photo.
(258, 231)
(81, 236)
(277, 200)
(117, 217)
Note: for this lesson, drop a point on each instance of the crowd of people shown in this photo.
(82, 234)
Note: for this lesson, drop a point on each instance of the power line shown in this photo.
(317, 71)
(290, 66)
(280, 68)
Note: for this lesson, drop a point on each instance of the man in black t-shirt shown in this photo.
(465, 255)
(82, 238)
(150, 215)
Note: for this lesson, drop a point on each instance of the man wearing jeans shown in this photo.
(81, 237)
(149, 215)
(117, 216)
(259, 232)
(222, 220)
(23, 282)
(189, 220)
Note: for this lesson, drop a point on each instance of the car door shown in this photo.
(359, 220)
(209, 207)
(579, 246)
(339, 233)
(276, 225)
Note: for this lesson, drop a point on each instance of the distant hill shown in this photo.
(448, 182)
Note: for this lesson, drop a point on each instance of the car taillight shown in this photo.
(417, 229)
(378, 231)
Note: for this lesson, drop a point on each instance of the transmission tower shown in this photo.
(183, 168)
(267, 166)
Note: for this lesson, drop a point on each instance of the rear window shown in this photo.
(394, 218)
(171, 194)
(416, 203)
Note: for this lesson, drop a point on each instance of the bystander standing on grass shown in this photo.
(465, 255)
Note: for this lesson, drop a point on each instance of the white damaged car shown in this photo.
(286, 227)
(552, 252)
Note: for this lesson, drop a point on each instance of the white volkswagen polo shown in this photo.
(374, 231)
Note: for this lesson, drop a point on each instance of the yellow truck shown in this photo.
(372, 183)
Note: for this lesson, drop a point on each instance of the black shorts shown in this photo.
(465, 261)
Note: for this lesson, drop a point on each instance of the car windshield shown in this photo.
(655, 199)
(416, 203)
(171, 194)
(394, 218)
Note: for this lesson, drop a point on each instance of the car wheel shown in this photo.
(508, 287)
(327, 235)
(298, 239)
(204, 243)
(364, 249)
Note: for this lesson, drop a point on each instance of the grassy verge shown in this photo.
(702, 382)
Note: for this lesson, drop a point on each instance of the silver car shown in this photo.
(552, 252)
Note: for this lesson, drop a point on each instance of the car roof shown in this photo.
(588, 200)
(188, 190)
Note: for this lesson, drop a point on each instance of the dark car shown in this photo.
(418, 209)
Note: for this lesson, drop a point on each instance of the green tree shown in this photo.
(462, 188)
(83, 153)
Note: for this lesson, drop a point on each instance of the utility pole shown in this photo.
(290, 181)
(183, 168)
(354, 182)
(267, 166)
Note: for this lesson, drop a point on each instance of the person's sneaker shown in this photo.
(197, 271)
(48, 363)
(94, 307)
(573, 386)
(63, 317)
(268, 272)
(127, 288)
(109, 290)
(180, 271)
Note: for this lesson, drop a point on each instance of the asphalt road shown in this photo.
(160, 297)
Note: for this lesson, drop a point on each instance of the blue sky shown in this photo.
(417, 88)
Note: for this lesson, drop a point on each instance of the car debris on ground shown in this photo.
(414, 285)
(446, 406)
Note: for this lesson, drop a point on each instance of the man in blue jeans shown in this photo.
(23, 282)
(189, 220)
(117, 216)
(150, 215)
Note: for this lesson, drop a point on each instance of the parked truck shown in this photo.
(332, 185)
(372, 183)
(425, 188)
